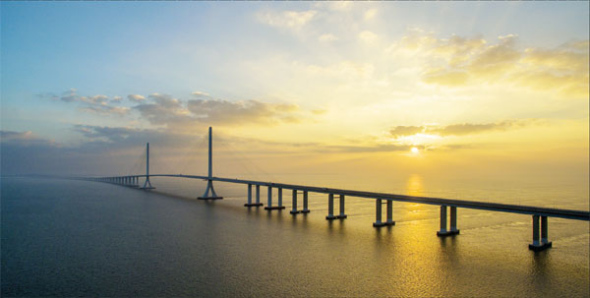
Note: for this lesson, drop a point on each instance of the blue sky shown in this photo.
(296, 72)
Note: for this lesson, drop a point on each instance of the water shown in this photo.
(76, 238)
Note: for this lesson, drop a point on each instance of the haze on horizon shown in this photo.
(494, 87)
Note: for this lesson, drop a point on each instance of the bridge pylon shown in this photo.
(147, 185)
(210, 191)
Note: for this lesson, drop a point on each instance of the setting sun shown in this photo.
(415, 150)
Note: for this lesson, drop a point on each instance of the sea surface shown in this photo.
(79, 238)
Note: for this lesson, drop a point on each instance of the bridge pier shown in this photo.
(258, 195)
(342, 214)
(269, 206)
(544, 243)
(305, 203)
(443, 222)
(331, 215)
(390, 213)
(294, 204)
(249, 204)
(378, 207)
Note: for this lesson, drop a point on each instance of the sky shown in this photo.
(295, 87)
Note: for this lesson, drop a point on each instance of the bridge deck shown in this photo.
(531, 210)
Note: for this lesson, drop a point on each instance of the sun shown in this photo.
(415, 150)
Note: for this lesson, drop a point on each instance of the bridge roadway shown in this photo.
(511, 208)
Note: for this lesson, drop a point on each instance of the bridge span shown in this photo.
(539, 215)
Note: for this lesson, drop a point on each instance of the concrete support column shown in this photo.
(257, 204)
(305, 198)
(280, 195)
(544, 243)
(294, 204)
(330, 207)
(443, 219)
(443, 222)
(536, 230)
(454, 220)
(342, 214)
(258, 194)
(544, 230)
(378, 222)
(378, 212)
(270, 206)
(249, 194)
(390, 213)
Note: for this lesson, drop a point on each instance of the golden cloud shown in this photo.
(459, 61)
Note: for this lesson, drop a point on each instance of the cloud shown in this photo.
(399, 131)
(164, 110)
(73, 96)
(459, 61)
(26, 138)
(459, 129)
(97, 104)
(366, 149)
(245, 111)
(200, 94)
(69, 96)
(446, 77)
(106, 110)
(112, 134)
(287, 19)
(125, 136)
(136, 98)
(471, 128)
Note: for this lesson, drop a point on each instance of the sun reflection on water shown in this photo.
(414, 187)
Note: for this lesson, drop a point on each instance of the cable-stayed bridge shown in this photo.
(448, 207)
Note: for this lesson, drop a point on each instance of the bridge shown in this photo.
(448, 207)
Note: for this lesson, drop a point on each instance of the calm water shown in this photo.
(76, 238)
